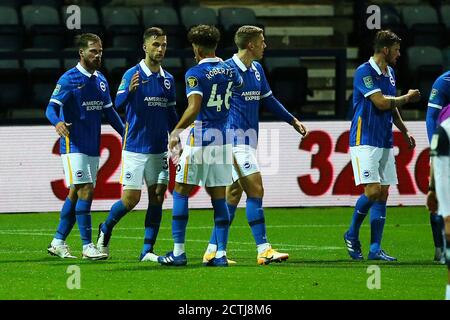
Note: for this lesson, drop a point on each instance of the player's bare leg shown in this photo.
(447, 253)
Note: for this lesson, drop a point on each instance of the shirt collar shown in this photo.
(148, 72)
(377, 68)
(205, 60)
(241, 65)
(85, 72)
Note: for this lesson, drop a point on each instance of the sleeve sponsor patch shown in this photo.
(368, 82)
(57, 89)
(433, 94)
(191, 82)
(122, 85)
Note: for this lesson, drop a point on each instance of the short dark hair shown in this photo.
(153, 32)
(245, 34)
(385, 38)
(82, 40)
(205, 36)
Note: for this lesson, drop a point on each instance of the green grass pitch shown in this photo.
(318, 267)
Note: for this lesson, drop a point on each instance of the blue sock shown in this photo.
(232, 211)
(83, 214)
(180, 215)
(437, 225)
(377, 220)
(255, 218)
(362, 207)
(67, 220)
(221, 223)
(152, 223)
(116, 213)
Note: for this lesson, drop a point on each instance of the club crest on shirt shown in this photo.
(102, 86)
(368, 82)
(391, 79)
(56, 91)
(257, 75)
(433, 94)
(192, 82)
(167, 84)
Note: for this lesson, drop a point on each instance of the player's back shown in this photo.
(213, 79)
(370, 125)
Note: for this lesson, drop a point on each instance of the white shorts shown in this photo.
(209, 166)
(245, 161)
(140, 167)
(79, 168)
(441, 168)
(372, 165)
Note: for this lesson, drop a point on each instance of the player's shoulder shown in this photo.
(443, 79)
(130, 71)
(364, 69)
(167, 74)
(258, 66)
(69, 77)
(101, 76)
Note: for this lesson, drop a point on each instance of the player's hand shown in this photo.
(62, 128)
(300, 127)
(175, 148)
(134, 83)
(432, 204)
(413, 95)
(410, 140)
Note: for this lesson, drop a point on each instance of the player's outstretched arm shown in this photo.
(390, 103)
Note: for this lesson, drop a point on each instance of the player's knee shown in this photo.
(130, 200)
(373, 192)
(85, 191)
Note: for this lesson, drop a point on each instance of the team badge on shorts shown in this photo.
(128, 175)
(368, 82)
(366, 173)
(102, 86)
(79, 174)
(192, 82)
(247, 165)
(178, 167)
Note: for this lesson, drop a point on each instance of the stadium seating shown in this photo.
(425, 65)
(446, 56)
(11, 32)
(167, 19)
(13, 85)
(424, 28)
(122, 27)
(43, 73)
(193, 15)
(231, 18)
(43, 26)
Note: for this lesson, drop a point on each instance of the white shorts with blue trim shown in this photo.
(245, 161)
(209, 166)
(140, 167)
(373, 165)
(79, 168)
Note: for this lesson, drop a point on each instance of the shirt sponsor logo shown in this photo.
(93, 105)
(215, 71)
(368, 82)
(102, 86)
(192, 82)
(251, 95)
(156, 101)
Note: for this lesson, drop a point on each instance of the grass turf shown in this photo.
(318, 268)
